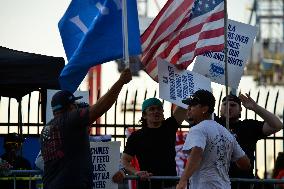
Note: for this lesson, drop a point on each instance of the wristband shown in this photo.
(124, 170)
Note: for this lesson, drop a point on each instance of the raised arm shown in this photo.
(105, 102)
(272, 123)
(179, 114)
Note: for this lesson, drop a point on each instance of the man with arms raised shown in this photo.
(248, 131)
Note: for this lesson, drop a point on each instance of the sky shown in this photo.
(31, 25)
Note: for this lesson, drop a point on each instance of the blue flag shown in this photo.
(91, 33)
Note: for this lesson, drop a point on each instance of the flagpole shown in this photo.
(226, 60)
(125, 34)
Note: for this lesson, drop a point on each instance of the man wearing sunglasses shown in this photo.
(12, 145)
(210, 147)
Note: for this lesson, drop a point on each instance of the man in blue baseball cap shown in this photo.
(62, 99)
(65, 145)
(153, 145)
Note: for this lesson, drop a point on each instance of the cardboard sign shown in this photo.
(176, 85)
(105, 158)
(240, 41)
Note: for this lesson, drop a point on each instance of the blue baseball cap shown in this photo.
(61, 99)
(151, 102)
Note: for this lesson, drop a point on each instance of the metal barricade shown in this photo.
(153, 178)
(33, 177)
(258, 183)
(254, 183)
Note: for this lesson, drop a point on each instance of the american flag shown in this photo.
(182, 30)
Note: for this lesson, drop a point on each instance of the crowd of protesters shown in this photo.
(214, 153)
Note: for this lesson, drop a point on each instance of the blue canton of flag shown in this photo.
(201, 7)
(91, 33)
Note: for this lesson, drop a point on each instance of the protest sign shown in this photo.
(176, 85)
(240, 41)
(105, 158)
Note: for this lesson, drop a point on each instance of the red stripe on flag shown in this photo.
(168, 22)
(195, 29)
(154, 48)
(164, 25)
(199, 51)
(151, 27)
(176, 57)
(151, 67)
(211, 33)
(203, 35)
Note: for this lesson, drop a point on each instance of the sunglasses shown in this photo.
(13, 144)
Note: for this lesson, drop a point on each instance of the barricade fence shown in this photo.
(254, 183)
(32, 179)
(35, 177)
(125, 114)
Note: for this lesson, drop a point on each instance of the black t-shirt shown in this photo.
(247, 133)
(154, 149)
(65, 149)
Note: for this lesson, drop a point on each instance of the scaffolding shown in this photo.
(267, 59)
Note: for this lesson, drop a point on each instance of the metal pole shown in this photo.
(282, 20)
(125, 34)
(226, 60)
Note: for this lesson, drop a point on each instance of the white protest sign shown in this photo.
(176, 85)
(240, 41)
(50, 93)
(105, 158)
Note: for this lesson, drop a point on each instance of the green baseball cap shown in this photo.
(151, 102)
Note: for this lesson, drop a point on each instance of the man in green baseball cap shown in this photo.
(153, 145)
(150, 102)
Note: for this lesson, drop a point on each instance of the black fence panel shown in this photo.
(125, 115)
